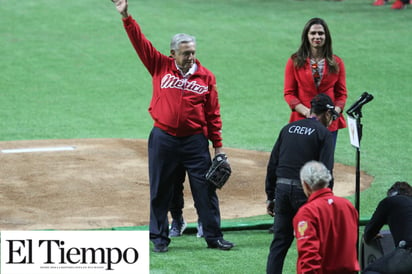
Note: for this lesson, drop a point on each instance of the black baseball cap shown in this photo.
(322, 103)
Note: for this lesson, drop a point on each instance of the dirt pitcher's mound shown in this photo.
(102, 183)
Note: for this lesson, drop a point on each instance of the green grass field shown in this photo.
(69, 71)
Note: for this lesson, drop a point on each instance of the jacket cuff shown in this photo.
(217, 144)
(127, 20)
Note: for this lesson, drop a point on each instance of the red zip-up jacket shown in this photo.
(180, 106)
(326, 230)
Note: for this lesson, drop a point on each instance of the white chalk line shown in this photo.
(38, 149)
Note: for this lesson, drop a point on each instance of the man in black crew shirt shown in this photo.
(298, 142)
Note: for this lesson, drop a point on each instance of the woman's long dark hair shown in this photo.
(301, 55)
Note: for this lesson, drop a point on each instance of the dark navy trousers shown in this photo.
(167, 154)
(289, 198)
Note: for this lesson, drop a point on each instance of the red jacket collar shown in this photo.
(320, 193)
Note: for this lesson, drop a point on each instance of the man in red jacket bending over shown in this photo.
(326, 227)
(186, 114)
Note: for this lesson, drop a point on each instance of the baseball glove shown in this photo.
(219, 172)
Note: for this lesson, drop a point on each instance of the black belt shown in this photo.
(287, 181)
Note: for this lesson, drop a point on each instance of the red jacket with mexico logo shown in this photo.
(326, 230)
(180, 106)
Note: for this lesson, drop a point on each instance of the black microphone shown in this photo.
(356, 107)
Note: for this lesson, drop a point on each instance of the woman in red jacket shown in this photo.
(314, 69)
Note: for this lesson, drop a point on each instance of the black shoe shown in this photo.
(160, 248)
(221, 244)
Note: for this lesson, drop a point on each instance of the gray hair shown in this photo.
(315, 174)
(179, 39)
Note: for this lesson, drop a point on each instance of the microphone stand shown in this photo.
(358, 115)
(355, 111)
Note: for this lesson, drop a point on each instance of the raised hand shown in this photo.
(121, 6)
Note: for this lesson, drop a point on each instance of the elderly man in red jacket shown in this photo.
(186, 114)
(325, 227)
